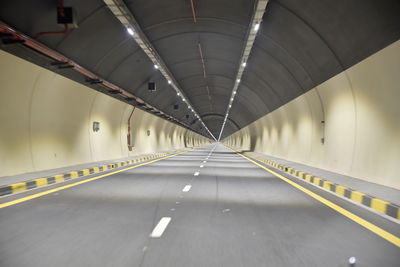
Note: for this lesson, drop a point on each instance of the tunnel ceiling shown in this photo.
(300, 44)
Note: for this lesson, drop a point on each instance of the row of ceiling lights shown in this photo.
(189, 107)
(120, 10)
(234, 91)
(178, 93)
(255, 26)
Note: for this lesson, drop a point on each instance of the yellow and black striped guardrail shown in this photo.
(38, 182)
(377, 204)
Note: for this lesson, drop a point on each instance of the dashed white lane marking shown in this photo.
(160, 227)
(186, 188)
(201, 166)
(196, 173)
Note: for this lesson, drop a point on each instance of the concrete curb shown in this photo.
(377, 204)
(10, 189)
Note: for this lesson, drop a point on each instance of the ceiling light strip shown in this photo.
(254, 26)
(123, 14)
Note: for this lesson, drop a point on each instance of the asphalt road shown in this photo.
(232, 214)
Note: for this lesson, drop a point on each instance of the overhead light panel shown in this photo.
(257, 26)
(156, 66)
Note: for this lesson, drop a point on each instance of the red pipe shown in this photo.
(129, 129)
(42, 49)
(40, 34)
(39, 47)
(60, 10)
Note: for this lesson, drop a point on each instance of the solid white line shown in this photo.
(160, 227)
(196, 173)
(186, 188)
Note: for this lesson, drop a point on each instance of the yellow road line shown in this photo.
(23, 199)
(372, 227)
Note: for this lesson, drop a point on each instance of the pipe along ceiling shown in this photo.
(211, 68)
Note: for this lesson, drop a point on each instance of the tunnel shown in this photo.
(210, 133)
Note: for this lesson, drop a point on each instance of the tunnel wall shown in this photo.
(357, 112)
(46, 122)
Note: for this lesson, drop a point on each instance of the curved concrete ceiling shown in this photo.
(300, 44)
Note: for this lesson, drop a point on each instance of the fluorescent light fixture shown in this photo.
(238, 80)
(244, 64)
(156, 66)
(169, 82)
(257, 26)
(130, 31)
(178, 94)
